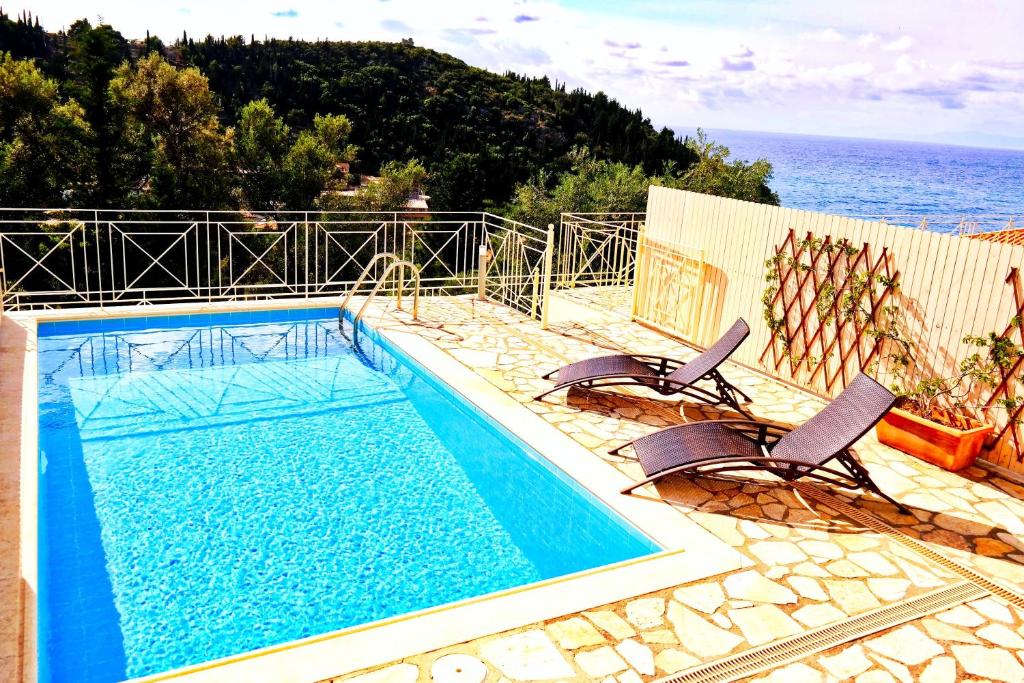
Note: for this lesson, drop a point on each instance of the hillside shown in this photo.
(477, 133)
(411, 102)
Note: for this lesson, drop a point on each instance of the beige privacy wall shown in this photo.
(701, 265)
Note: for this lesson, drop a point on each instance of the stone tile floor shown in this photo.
(811, 565)
(13, 591)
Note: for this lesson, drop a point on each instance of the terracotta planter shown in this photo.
(948, 447)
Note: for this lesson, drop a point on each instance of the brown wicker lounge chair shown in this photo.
(720, 446)
(666, 376)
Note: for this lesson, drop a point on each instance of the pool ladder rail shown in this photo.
(396, 265)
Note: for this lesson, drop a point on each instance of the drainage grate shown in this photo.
(1009, 595)
(765, 657)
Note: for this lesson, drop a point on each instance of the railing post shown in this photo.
(639, 269)
(549, 253)
(400, 277)
(99, 258)
(624, 255)
(481, 274)
(209, 268)
(563, 251)
(305, 260)
(536, 289)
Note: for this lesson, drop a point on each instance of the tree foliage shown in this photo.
(261, 141)
(397, 182)
(45, 144)
(93, 54)
(714, 173)
(261, 125)
(410, 102)
(311, 165)
(25, 38)
(593, 185)
(172, 147)
(590, 186)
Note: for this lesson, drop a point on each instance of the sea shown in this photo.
(902, 181)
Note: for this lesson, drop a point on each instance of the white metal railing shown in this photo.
(955, 224)
(517, 267)
(597, 249)
(600, 248)
(967, 227)
(63, 258)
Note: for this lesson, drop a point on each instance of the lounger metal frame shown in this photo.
(757, 445)
(725, 394)
(767, 435)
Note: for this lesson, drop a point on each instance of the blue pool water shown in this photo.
(214, 484)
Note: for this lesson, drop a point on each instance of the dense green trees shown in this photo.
(93, 53)
(593, 185)
(590, 186)
(715, 174)
(24, 37)
(45, 144)
(273, 174)
(88, 118)
(261, 141)
(171, 148)
(477, 133)
(397, 182)
(311, 165)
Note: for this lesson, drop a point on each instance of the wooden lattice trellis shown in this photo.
(815, 338)
(1010, 431)
(827, 301)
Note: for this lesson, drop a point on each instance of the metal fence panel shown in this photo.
(66, 258)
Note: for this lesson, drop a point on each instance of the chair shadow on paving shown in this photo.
(765, 500)
(646, 409)
(772, 505)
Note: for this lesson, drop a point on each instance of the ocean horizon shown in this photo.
(902, 181)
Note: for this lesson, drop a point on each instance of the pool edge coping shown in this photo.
(373, 644)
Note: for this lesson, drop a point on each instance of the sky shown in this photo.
(931, 70)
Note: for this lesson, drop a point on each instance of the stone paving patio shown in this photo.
(811, 565)
(13, 591)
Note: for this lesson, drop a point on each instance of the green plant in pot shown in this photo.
(936, 416)
(933, 419)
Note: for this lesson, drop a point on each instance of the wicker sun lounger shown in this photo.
(666, 376)
(720, 446)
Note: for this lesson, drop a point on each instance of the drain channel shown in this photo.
(766, 657)
(1009, 595)
(759, 659)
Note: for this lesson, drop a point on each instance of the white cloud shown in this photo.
(906, 65)
(868, 39)
(851, 71)
(829, 35)
(900, 44)
(805, 67)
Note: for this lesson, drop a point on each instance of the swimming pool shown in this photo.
(211, 484)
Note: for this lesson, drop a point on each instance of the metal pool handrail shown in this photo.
(397, 265)
(362, 278)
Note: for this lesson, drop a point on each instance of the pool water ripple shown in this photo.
(215, 485)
